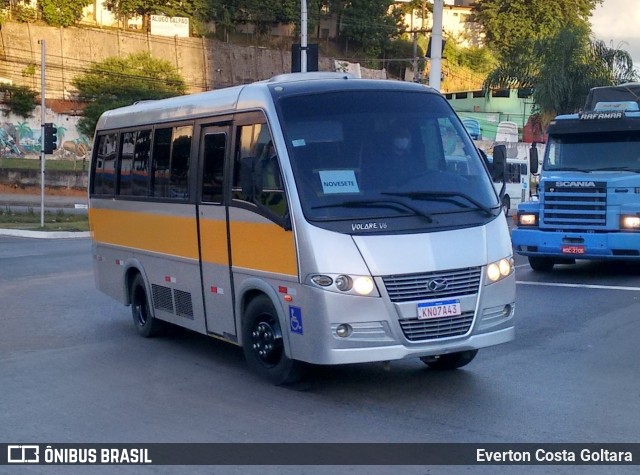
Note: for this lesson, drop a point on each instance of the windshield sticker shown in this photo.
(298, 143)
(339, 181)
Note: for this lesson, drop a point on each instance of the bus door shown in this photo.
(214, 241)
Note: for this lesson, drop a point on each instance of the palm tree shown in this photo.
(565, 68)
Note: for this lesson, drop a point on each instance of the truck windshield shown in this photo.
(607, 151)
(353, 151)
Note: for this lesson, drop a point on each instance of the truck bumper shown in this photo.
(614, 245)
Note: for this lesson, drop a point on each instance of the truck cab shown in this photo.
(589, 189)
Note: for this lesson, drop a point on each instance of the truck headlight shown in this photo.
(498, 270)
(527, 219)
(631, 222)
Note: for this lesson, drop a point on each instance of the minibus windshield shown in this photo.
(385, 154)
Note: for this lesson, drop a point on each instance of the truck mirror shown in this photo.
(533, 159)
(499, 162)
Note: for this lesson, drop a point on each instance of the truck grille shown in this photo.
(574, 207)
(431, 285)
(435, 328)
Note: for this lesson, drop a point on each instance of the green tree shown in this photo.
(511, 25)
(197, 9)
(371, 24)
(19, 99)
(121, 81)
(62, 12)
(566, 66)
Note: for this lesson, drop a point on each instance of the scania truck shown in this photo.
(589, 187)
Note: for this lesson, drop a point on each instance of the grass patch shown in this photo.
(34, 164)
(53, 221)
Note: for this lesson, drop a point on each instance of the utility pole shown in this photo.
(303, 36)
(42, 121)
(436, 45)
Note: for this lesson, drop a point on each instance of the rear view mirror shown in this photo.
(533, 159)
(499, 162)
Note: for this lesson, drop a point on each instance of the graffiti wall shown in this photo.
(20, 138)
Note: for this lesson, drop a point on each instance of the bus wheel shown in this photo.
(541, 264)
(450, 361)
(506, 205)
(146, 324)
(263, 344)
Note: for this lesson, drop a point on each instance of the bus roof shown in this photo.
(249, 96)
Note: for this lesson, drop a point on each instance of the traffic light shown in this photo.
(50, 137)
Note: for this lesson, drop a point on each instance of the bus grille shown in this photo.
(435, 328)
(432, 285)
(574, 207)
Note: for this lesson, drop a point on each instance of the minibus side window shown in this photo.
(104, 169)
(126, 163)
(180, 153)
(215, 146)
(256, 177)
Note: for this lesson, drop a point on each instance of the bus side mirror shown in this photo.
(499, 162)
(533, 159)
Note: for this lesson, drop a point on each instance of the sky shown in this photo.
(617, 23)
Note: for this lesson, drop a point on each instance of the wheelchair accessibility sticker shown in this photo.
(295, 320)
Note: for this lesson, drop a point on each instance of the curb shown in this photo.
(44, 234)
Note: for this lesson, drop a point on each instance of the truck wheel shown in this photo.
(146, 324)
(506, 204)
(450, 361)
(263, 345)
(541, 264)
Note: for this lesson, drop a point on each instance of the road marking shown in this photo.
(582, 286)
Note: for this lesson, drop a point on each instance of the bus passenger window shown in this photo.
(180, 153)
(126, 163)
(213, 168)
(104, 172)
(257, 178)
(161, 162)
(140, 165)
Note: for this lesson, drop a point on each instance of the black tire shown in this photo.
(506, 205)
(450, 361)
(263, 345)
(146, 324)
(541, 264)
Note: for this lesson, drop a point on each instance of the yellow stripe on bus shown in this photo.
(259, 246)
(263, 246)
(165, 234)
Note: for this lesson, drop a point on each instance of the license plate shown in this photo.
(573, 249)
(439, 309)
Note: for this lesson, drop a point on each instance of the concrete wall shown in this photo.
(204, 64)
(53, 178)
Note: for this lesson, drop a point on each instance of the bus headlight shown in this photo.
(346, 284)
(363, 285)
(499, 270)
(630, 222)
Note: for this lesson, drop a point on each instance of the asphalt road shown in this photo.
(72, 369)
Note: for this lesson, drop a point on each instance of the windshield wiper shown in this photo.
(393, 204)
(569, 169)
(442, 196)
(617, 169)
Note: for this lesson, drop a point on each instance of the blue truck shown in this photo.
(589, 186)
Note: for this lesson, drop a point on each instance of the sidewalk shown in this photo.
(51, 203)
